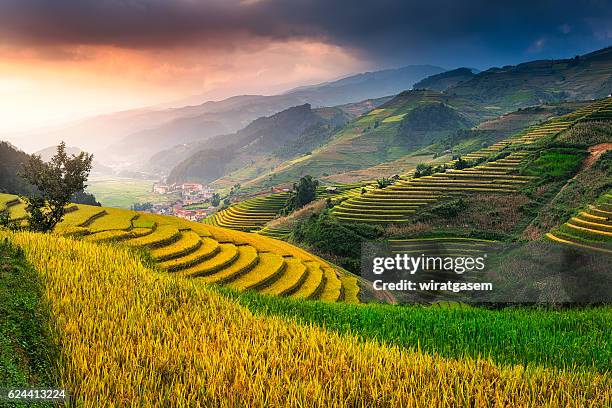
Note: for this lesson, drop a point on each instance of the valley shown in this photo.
(225, 252)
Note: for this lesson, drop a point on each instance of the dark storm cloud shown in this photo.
(438, 31)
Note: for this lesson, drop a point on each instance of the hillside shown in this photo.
(176, 341)
(532, 83)
(11, 160)
(213, 255)
(462, 142)
(260, 145)
(441, 82)
(162, 162)
(387, 133)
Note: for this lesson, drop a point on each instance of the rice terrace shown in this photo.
(251, 204)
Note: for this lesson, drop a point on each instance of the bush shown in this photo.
(325, 233)
(449, 209)
(384, 182)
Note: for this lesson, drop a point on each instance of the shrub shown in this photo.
(325, 233)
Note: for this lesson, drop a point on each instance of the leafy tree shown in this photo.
(384, 182)
(423, 169)
(215, 200)
(461, 164)
(303, 192)
(57, 182)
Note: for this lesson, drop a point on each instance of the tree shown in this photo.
(142, 206)
(384, 182)
(460, 164)
(57, 182)
(215, 200)
(303, 192)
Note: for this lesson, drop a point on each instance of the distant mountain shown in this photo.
(583, 77)
(263, 143)
(441, 82)
(164, 161)
(97, 167)
(129, 137)
(197, 124)
(365, 86)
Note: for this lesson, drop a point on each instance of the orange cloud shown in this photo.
(60, 83)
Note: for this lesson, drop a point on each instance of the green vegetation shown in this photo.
(303, 193)
(588, 133)
(27, 354)
(124, 192)
(325, 233)
(565, 339)
(555, 164)
(555, 204)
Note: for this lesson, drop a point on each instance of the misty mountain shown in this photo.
(441, 82)
(162, 162)
(97, 168)
(134, 135)
(265, 141)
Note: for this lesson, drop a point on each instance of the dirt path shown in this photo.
(595, 153)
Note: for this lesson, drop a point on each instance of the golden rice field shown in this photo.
(590, 229)
(241, 260)
(131, 336)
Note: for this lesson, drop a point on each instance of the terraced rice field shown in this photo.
(250, 214)
(442, 246)
(398, 202)
(253, 214)
(241, 260)
(590, 229)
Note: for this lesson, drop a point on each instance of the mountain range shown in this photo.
(131, 137)
(439, 107)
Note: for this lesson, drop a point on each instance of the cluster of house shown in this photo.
(190, 193)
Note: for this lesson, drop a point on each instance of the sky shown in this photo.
(65, 59)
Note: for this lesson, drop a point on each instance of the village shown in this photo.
(194, 203)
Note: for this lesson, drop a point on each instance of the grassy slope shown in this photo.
(565, 339)
(129, 324)
(27, 354)
(368, 140)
